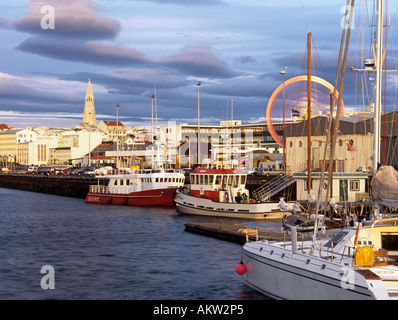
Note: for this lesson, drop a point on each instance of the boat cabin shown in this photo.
(125, 184)
(221, 185)
(347, 186)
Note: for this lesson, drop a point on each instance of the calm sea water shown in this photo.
(110, 252)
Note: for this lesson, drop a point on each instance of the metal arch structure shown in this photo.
(279, 89)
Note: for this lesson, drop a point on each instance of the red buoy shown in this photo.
(241, 268)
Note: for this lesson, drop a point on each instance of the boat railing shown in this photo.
(99, 189)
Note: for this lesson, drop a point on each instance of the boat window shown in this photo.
(243, 180)
(218, 180)
(116, 182)
(193, 178)
(121, 182)
(201, 179)
(127, 182)
(161, 180)
(224, 181)
(336, 239)
(211, 177)
(157, 180)
(235, 181)
(206, 182)
(389, 241)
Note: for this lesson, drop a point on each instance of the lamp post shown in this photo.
(199, 84)
(117, 136)
(283, 73)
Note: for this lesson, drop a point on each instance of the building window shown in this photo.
(354, 185)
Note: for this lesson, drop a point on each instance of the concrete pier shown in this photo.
(71, 186)
(235, 232)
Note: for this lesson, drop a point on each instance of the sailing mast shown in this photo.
(377, 109)
(339, 106)
(309, 118)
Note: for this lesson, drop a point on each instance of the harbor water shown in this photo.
(109, 252)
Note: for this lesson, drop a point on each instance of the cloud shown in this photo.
(33, 91)
(93, 52)
(77, 19)
(199, 61)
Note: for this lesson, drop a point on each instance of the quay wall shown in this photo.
(74, 186)
(71, 186)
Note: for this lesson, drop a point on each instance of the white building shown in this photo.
(73, 145)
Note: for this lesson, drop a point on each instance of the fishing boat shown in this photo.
(360, 262)
(147, 187)
(221, 192)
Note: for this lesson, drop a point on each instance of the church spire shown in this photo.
(89, 118)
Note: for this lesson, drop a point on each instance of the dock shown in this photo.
(237, 233)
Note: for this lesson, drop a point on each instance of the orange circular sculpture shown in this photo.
(279, 89)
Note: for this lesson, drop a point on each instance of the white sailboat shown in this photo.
(360, 262)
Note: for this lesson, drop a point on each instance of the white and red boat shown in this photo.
(140, 188)
(221, 192)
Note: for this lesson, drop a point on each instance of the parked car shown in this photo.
(32, 169)
(67, 171)
(103, 171)
(89, 171)
(45, 170)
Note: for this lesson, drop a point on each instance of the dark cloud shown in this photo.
(199, 61)
(93, 52)
(77, 19)
(246, 59)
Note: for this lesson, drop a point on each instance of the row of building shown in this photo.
(113, 143)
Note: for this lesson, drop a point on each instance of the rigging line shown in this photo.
(318, 58)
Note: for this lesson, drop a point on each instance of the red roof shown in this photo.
(3, 126)
(114, 123)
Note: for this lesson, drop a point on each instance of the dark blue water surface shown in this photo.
(110, 252)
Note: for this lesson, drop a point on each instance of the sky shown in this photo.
(130, 49)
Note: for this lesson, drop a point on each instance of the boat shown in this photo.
(303, 222)
(146, 187)
(221, 192)
(360, 262)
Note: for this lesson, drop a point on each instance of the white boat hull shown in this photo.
(187, 204)
(280, 274)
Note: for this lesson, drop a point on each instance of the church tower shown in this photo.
(89, 119)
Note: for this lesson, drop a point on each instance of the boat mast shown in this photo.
(309, 118)
(377, 109)
(336, 123)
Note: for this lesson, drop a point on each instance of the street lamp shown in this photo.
(283, 73)
(117, 136)
(199, 84)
